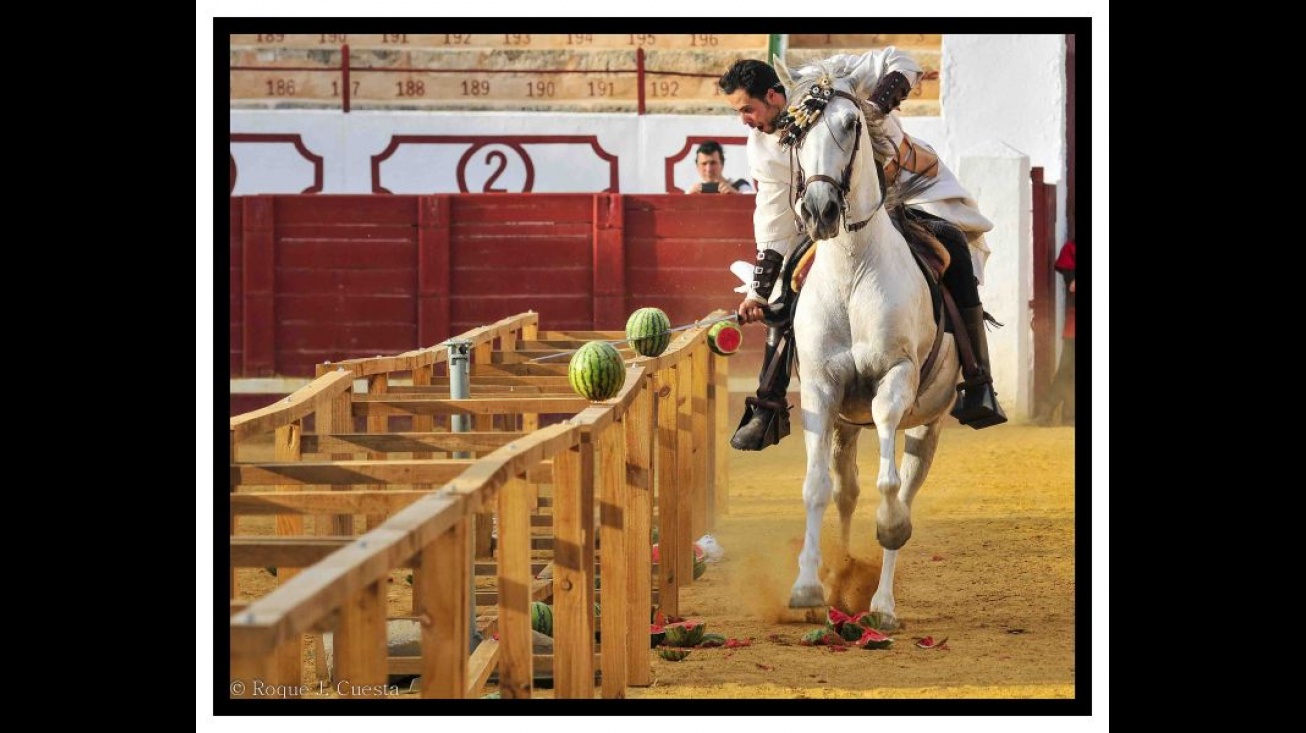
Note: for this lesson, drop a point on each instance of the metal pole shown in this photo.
(460, 388)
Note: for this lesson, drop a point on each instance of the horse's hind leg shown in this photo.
(843, 463)
(918, 454)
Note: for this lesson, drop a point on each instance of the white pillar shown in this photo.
(997, 176)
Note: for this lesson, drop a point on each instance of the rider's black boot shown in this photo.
(766, 416)
(977, 405)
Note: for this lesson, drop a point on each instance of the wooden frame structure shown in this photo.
(381, 500)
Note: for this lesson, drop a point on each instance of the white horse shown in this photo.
(863, 327)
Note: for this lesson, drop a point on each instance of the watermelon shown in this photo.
(596, 371)
(673, 655)
(542, 618)
(725, 338)
(649, 331)
(685, 633)
(713, 640)
(700, 567)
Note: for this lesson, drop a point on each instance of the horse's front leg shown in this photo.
(893, 396)
(818, 411)
(918, 454)
(843, 462)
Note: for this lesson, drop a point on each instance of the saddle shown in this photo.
(923, 233)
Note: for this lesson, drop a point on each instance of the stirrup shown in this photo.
(764, 423)
(977, 404)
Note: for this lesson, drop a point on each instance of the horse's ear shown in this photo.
(782, 71)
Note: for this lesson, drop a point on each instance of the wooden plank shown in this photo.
(638, 426)
(538, 369)
(609, 271)
(342, 473)
(665, 383)
(614, 565)
(484, 381)
(482, 664)
(258, 287)
(702, 446)
(514, 583)
(683, 558)
(413, 442)
(360, 644)
(367, 405)
(323, 502)
(305, 401)
(444, 583)
(572, 614)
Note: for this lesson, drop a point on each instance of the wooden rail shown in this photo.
(599, 472)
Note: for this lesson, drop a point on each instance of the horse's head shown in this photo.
(827, 130)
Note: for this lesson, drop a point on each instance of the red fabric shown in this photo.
(1066, 266)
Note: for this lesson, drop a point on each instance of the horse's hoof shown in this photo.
(887, 623)
(807, 596)
(894, 537)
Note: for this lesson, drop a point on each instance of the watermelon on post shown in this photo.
(596, 371)
(725, 338)
(649, 331)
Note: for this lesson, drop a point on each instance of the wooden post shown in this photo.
(287, 448)
(638, 425)
(482, 354)
(335, 417)
(684, 557)
(515, 638)
(614, 563)
(667, 494)
(377, 384)
(441, 598)
(718, 433)
(360, 644)
(702, 448)
(573, 662)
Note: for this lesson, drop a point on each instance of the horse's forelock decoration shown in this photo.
(801, 115)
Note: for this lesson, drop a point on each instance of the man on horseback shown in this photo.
(883, 77)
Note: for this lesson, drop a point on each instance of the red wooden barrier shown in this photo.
(1044, 302)
(332, 277)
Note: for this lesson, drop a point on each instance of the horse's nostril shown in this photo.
(830, 211)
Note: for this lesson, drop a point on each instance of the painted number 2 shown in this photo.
(503, 165)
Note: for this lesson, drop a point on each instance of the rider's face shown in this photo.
(759, 114)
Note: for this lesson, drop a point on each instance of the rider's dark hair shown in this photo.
(751, 75)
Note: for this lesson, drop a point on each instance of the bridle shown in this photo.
(808, 109)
